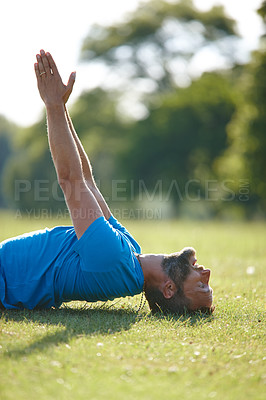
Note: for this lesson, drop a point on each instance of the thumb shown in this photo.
(71, 81)
(69, 86)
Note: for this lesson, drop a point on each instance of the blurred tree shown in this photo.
(262, 11)
(29, 169)
(102, 131)
(154, 46)
(180, 133)
(7, 133)
(244, 160)
(182, 137)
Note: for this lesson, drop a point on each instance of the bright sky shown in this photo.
(59, 26)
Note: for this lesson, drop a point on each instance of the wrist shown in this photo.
(55, 106)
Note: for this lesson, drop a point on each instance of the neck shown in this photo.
(152, 268)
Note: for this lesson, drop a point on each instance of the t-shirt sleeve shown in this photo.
(119, 227)
(103, 245)
(107, 261)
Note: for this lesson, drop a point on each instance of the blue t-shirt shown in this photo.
(44, 268)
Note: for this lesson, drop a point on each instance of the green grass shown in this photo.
(112, 352)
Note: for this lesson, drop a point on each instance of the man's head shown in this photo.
(190, 280)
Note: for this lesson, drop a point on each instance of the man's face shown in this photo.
(196, 286)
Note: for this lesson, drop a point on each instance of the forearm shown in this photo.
(62, 145)
(87, 169)
(86, 165)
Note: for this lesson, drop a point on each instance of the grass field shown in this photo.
(112, 352)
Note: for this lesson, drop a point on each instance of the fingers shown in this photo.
(52, 64)
(37, 71)
(41, 67)
(44, 63)
(46, 67)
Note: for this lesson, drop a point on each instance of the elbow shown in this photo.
(68, 171)
(66, 178)
(63, 175)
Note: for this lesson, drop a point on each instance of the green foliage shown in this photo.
(102, 133)
(213, 129)
(262, 10)
(256, 128)
(183, 135)
(29, 173)
(154, 36)
(245, 156)
(110, 352)
(7, 132)
(30, 179)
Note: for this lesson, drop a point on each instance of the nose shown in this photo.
(205, 275)
(193, 260)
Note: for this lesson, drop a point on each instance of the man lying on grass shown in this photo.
(96, 258)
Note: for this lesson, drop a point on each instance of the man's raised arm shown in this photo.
(84, 208)
(87, 170)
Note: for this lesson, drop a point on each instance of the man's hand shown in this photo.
(50, 85)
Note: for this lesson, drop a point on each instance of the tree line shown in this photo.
(154, 132)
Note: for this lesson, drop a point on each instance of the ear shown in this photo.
(169, 289)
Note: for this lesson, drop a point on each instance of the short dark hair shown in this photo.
(177, 267)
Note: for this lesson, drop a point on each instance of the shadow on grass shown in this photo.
(61, 325)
